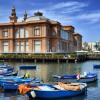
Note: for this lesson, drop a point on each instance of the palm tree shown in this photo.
(97, 46)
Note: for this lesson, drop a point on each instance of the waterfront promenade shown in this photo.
(43, 57)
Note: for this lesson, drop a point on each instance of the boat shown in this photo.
(88, 78)
(13, 82)
(27, 67)
(5, 69)
(47, 91)
(96, 66)
(14, 73)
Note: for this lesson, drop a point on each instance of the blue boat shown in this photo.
(96, 66)
(5, 69)
(47, 91)
(14, 73)
(88, 78)
(13, 82)
(27, 67)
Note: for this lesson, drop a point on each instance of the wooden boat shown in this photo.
(96, 66)
(47, 91)
(89, 77)
(27, 67)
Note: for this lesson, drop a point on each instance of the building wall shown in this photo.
(39, 36)
(48, 42)
(78, 41)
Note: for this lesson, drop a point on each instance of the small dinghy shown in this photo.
(11, 83)
(5, 69)
(86, 78)
(96, 66)
(27, 67)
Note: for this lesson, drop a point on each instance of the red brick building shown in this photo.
(37, 34)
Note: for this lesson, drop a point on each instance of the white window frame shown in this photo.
(5, 46)
(37, 46)
(36, 31)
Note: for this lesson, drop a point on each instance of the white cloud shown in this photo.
(61, 11)
(20, 19)
(92, 17)
(68, 5)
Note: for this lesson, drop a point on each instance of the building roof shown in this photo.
(69, 27)
(77, 34)
(35, 18)
(38, 16)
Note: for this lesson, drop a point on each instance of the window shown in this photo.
(21, 33)
(36, 31)
(5, 34)
(37, 46)
(26, 33)
(21, 46)
(17, 46)
(64, 35)
(5, 46)
(26, 46)
(17, 34)
(53, 33)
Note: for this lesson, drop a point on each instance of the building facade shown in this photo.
(37, 34)
(91, 46)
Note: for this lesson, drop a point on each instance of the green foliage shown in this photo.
(36, 56)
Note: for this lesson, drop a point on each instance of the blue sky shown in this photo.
(84, 15)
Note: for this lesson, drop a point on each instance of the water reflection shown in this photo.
(12, 95)
(93, 85)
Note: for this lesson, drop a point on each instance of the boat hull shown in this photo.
(56, 94)
(12, 84)
(88, 79)
(27, 67)
(96, 66)
(84, 80)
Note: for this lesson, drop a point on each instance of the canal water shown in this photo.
(44, 71)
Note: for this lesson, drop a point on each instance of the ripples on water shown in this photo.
(45, 71)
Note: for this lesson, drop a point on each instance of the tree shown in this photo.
(97, 46)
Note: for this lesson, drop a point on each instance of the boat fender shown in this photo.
(33, 94)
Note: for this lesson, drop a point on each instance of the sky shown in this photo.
(84, 15)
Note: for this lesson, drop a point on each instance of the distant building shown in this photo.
(91, 46)
(37, 34)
